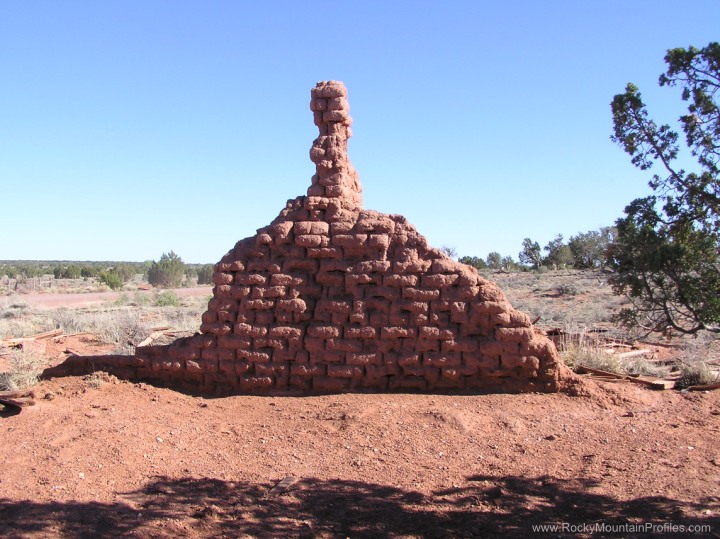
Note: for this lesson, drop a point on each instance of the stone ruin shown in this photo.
(331, 297)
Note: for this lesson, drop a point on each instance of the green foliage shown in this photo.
(450, 251)
(28, 270)
(205, 273)
(140, 299)
(589, 249)
(125, 271)
(72, 271)
(531, 255)
(666, 256)
(168, 272)
(507, 263)
(190, 275)
(567, 289)
(67, 269)
(89, 271)
(494, 260)
(558, 253)
(167, 298)
(146, 268)
(112, 279)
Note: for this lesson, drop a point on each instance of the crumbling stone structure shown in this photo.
(332, 297)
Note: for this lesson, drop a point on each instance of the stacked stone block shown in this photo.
(335, 183)
(331, 297)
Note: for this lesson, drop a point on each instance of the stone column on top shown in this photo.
(335, 178)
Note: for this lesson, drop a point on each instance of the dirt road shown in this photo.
(52, 301)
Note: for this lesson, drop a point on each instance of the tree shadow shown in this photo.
(487, 506)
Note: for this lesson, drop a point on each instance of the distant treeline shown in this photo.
(169, 271)
(583, 251)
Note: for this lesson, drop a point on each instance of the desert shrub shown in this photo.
(15, 310)
(125, 271)
(536, 293)
(140, 299)
(22, 322)
(694, 357)
(96, 379)
(695, 374)
(567, 289)
(184, 320)
(72, 271)
(168, 272)
(89, 271)
(168, 298)
(204, 274)
(123, 299)
(25, 367)
(26, 270)
(190, 275)
(112, 279)
(578, 348)
(121, 327)
(577, 355)
(644, 367)
(67, 320)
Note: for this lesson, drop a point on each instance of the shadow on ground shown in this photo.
(485, 507)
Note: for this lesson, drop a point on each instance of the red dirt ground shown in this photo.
(98, 457)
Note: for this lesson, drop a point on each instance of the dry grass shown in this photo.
(581, 302)
(587, 355)
(695, 374)
(97, 379)
(127, 326)
(558, 299)
(644, 367)
(124, 323)
(17, 319)
(694, 363)
(696, 358)
(122, 327)
(25, 367)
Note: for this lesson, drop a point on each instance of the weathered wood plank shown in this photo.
(18, 399)
(655, 383)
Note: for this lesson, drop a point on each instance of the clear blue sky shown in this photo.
(129, 129)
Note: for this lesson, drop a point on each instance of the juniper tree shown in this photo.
(666, 256)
